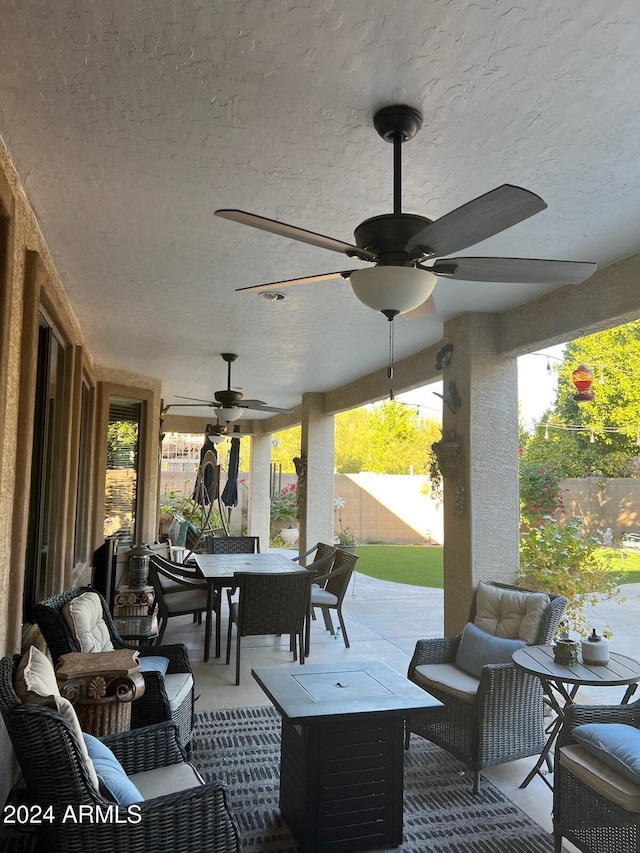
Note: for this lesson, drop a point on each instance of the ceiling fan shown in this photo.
(407, 249)
(229, 402)
(218, 432)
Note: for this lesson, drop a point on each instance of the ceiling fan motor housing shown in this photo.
(387, 235)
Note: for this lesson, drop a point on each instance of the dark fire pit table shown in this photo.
(341, 759)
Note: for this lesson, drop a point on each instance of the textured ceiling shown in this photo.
(131, 122)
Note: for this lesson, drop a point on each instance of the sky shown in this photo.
(536, 388)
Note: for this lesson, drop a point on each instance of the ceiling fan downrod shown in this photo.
(397, 124)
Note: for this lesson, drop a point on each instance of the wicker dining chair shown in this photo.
(166, 697)
(269, 603)
(497, 716)
(596, 806)
(233, 544)
(180, 591)
(179, 814)
(329, 590)
(323, 557)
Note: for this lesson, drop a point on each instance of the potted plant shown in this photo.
(284, 508)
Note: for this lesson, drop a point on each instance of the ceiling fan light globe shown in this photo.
(389, 288)
(230, 413)
(214, 438)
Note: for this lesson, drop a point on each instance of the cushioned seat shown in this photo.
(79, 620)
(447, 676)
(152, 799)
(596, 780)
(493, 711)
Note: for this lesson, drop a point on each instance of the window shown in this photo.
(46, 433)
(123, 455)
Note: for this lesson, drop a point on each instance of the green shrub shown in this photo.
(539, 493)
(559, 558)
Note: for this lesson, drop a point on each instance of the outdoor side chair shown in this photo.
(596, 806)
(329, 589)
(166, 697)
(269, 603)
(495, 716)
(180, 590)
(179, 813)
(233, 544)
(322, 560)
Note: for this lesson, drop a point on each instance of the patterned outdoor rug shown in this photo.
(241, 747)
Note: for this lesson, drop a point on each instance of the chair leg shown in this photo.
(161, 631)
(237, 656)
(343, 629)
(328, 622)
(476, 781)
(301, 644)
(229, 640)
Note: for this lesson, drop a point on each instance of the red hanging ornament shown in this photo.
(582, 377)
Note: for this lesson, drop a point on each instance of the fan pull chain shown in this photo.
(389, 314)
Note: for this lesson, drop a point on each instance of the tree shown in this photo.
(600, 437)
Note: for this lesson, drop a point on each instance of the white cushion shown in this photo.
(448, 678)
(510, 613)
(86, 623)
(178, 686)
(609, 783)
(166, 780)
(36, 684)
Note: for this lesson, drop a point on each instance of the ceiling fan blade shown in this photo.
(201, 405)
(180, 397)
(515, 270)
(477, 220)
(295, 233)
(259, 406)
(427, 308)
(292, 282)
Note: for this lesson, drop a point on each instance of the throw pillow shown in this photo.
(616, 744)
(478, 648)
(86, 623)
(509, 612)
(111, 773)
(36, 684)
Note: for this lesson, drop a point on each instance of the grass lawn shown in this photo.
(626, 564)
(419, 565)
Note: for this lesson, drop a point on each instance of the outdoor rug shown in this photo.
(241, 746)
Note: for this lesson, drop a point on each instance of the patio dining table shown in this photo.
(219, 571)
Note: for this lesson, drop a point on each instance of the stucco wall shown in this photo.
(604, 503)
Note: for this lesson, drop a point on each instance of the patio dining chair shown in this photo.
(329, 589)
(150, 796)
(492, 711)
(168, 695)
(180, 591)
(269, 603)
(323, 557)
(233, 544)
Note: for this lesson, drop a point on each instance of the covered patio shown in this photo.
(122, 131)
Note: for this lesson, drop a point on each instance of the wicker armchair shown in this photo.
(270, 604)
(494, 719)
(192, 816)
(160, 692)
(594, 806)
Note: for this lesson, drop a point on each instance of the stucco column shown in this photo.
(317, 448)
(481, 497)
(259, 518)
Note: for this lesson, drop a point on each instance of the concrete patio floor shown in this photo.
(383, 621)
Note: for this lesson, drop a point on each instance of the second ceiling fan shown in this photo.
(229, 403)
(407, 250)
